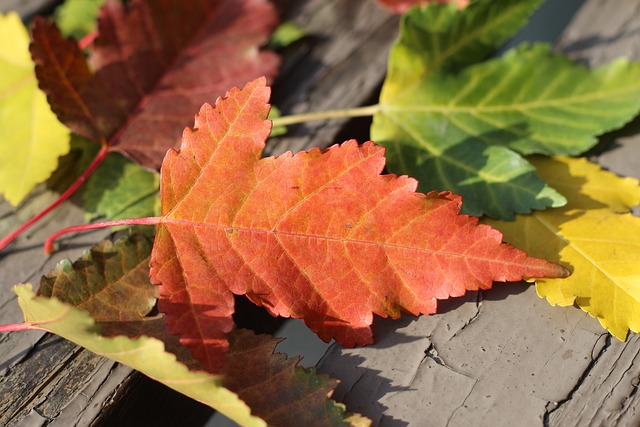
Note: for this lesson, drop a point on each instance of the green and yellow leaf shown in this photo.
(110, 283)
(145, 354)
(464, 127)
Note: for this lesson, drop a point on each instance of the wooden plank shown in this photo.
(28, 8)
(505, 357)
(339, 65)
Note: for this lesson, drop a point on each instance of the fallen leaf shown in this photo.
(464, 129)
(144, 354)
(77, 18)
(31, 137)
(319, 235)
(109, 281)
(278, 390)
(595, 234)
(111, 284)
(272, 384)
(151, 66)
(119, 189)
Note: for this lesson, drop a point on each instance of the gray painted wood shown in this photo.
(28, 8)
(505, 357)
(502, 357)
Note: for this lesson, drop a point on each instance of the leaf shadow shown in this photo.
(491, 176)
(361, 388)
(609, 141)
(503, 290)
(71, 166)
(581, 49)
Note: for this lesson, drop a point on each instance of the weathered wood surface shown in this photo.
(505, 357)
(28, 8)
(502, 357)
(45, 380)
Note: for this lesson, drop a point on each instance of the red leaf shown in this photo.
(319, 235)
(155, 63)
(401, 6)
(272, 384)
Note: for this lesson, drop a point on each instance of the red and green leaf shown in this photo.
(319, 235)
(109, 281)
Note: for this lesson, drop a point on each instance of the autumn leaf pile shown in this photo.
(320, 235)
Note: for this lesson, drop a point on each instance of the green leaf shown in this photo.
(77, 18)
(441, 37)
(110, 281)
(286, 34)
(464, 131)
(144, 354)
(121, 189)
(31, 137)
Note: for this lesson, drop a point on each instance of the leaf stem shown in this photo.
(102, 154)
(86, 41)
(15, 327)
(49, 243)
(368, 110)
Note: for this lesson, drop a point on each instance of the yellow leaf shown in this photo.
(594, 235)
(31, 137)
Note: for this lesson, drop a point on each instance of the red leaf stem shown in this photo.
(49, 243)
(102, 154)
(87, 40)
(16, 327)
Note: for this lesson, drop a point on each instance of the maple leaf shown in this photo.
(108, 281)
(464, 127)
(319, 235)
(401, 6)
(151, 66)
(111, 284)
(31, 138)
(595, 234)
(142, 353)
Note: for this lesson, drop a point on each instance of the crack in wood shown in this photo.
(462, 405)
(472, 319)
(432, 353)
(585, 374)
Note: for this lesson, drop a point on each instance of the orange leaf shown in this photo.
(319, 235)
